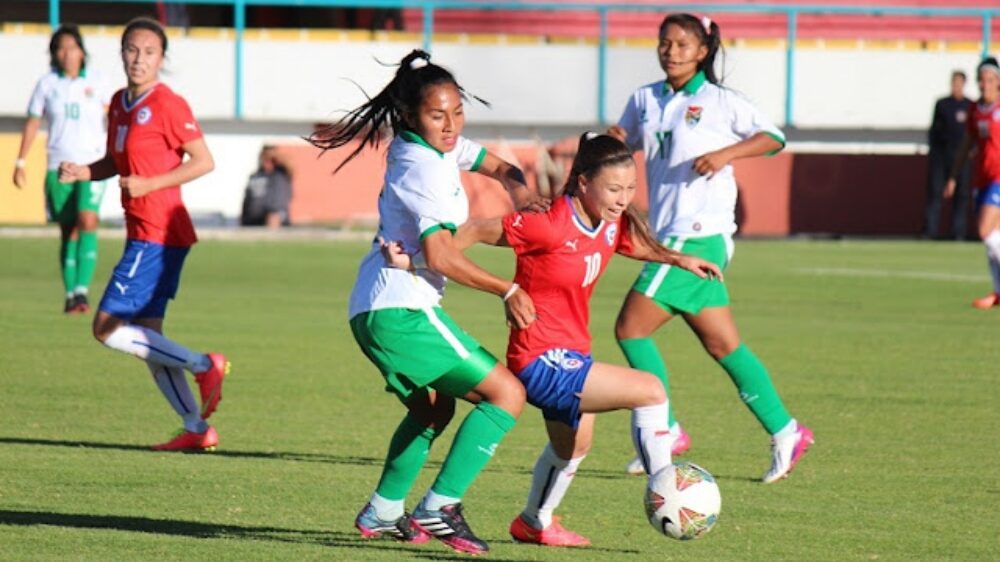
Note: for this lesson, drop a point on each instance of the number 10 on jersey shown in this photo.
(593, 268)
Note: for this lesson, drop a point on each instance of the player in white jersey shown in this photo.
(690, 128)
(73, 102)
(424, 357)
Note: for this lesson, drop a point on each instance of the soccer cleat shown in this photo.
(787, 452)
(80, 304)
(553, 535)
(989, 301)
(681, 444)
(448, 526)
(402, 529)
(210, 383)
(191, 441)
(70, 306)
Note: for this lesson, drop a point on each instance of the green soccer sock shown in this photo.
(474, 445)
(67, 262)
(86, 260)
(407, 453)
(641, 353)
(756, 390)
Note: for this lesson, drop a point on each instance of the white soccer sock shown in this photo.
(386, 509)
(549, 483)
(149, 345)
(650, 436)
(992, 242)
(994, 267)
(790, 429)
(172, 382)
(434, 501)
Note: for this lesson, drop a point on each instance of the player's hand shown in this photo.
(527, 200)
(618, 132)
(700, 267)
(949, 188)
(19, 178)
(394, 254)
(70, 172)
(709, 164)
(520, 310)
(136, 186)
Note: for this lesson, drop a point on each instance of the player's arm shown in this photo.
(637, 243)
(956, 168)
(444, 257)
(512, 179)
(95, 171)
(481, 231)
(757, 144)
(28, 134)
(198, 163)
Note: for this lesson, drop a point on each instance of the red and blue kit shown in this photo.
(984, 127)
(145, 139)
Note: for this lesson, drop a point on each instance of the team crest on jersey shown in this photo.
(693, 115)
(88, 91)
(143, 116)
(610, 232)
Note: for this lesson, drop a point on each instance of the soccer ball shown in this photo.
(682, 501)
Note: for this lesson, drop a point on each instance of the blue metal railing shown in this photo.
(429, 6)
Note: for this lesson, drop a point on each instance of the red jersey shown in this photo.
(984, 126)
(559, 260)
(145, 139)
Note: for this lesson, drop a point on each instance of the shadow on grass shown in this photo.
(198, 530)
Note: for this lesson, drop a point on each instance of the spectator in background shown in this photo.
(269, 192)
(943, 139)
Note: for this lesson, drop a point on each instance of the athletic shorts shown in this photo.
(146, 277)
(65, 200)
(989, 195)
(554, 382)
(417, 348)
(679, 291)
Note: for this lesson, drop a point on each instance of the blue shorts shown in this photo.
(989, 195)
(144, 280)
(554, 381)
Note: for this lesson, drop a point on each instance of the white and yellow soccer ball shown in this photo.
(682, 501)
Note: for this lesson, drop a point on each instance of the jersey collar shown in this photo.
(690, 87)
(410, 136)
(130, 106)
(83, 73)
(582, 226)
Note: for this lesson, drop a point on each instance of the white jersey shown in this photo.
(422, 194)
(75, 111)
(673, 129)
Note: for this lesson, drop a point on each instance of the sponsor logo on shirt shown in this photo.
(571, 244)
(144, 115)
(610, 233)
(518, 220)
(693, 115)
(190, 126)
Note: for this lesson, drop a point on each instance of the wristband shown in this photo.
(19, 163)
(510, 292)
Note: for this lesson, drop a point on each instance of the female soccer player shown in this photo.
(72, 101)
(690, 129)
(150, 129)
(560, 256)
(983, 134)
(426, 359)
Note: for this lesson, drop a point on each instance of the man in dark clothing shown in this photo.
(268, 192)
(944, 138)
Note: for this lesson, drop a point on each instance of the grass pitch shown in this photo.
(872, 344)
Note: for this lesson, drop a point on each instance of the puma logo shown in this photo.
(121, 288)
(571, 244)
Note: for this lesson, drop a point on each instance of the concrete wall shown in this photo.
(310, 80)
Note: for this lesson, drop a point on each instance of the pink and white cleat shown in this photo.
(682, 442)
(553, 535)
(786, 452)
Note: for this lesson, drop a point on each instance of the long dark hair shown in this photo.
(148, 24)
(73, 31)
(399, 99)
(708, 33)
(595, 153)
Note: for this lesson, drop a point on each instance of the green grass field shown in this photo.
(873, 344)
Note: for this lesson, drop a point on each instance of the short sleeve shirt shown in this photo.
(984, 127)
(145, 138)
(422, 194)
(673, 128)
(74, 110)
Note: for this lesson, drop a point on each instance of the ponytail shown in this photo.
(595, 153)
(708, 33)
(399, 100)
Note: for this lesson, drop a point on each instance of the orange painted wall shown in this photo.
(784, 194)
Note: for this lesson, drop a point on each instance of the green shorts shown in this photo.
(66, 200)
(416, 348)
(679, 291)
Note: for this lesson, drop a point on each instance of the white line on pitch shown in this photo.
(892, 274)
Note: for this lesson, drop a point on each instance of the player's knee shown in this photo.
(651, 391)
(86, 222)
(720, 348)
(511, 396)
(625, 329)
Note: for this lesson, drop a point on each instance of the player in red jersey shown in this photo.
(561, 254)
(983, 135)
(150, 129)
